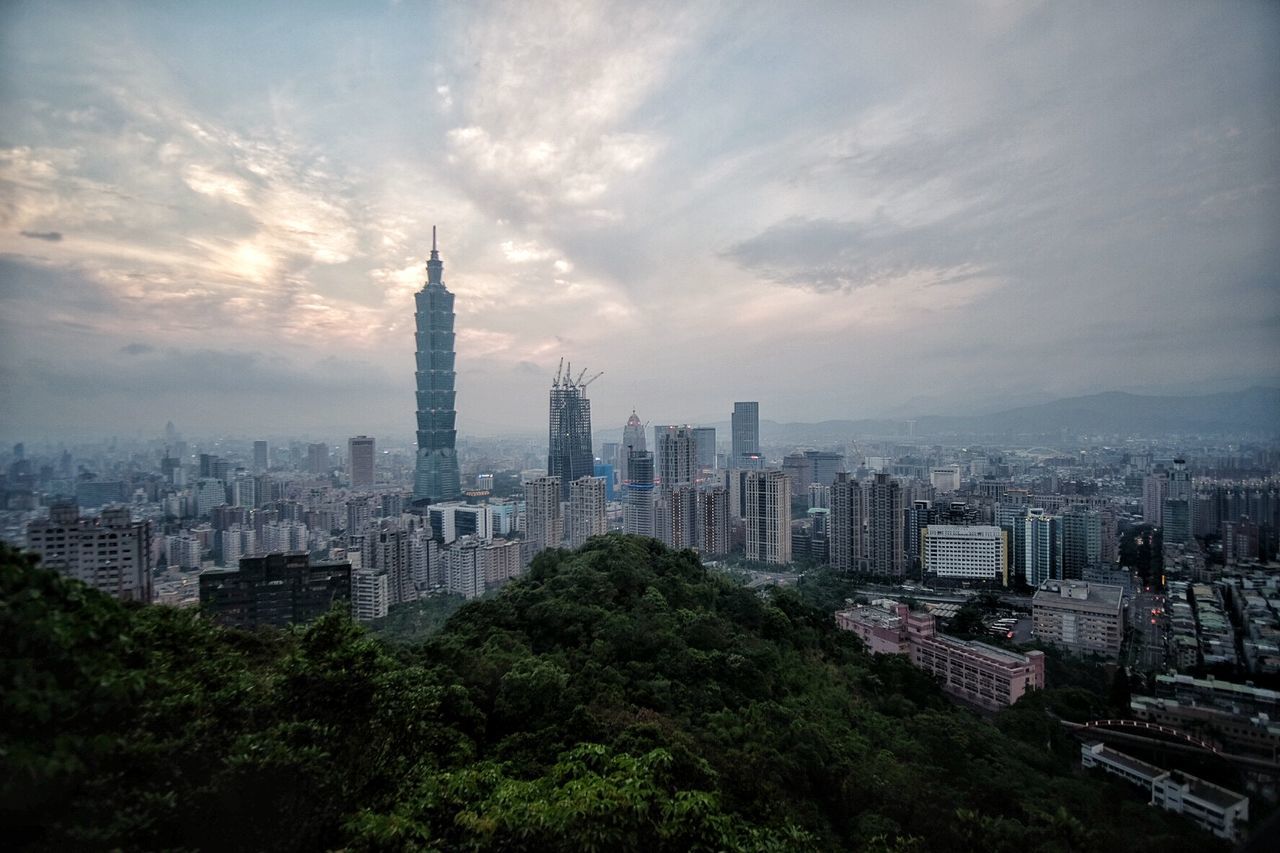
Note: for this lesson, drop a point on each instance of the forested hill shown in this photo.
(617, 698)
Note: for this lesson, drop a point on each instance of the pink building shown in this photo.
(975, 672)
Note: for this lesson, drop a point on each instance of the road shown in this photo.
(1150, 624)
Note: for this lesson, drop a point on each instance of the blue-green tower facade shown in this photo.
(436, 475)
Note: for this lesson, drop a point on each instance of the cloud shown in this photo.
(48, 236)
(137, 349)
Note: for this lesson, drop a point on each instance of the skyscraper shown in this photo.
(360, 461)
(569, 452)
(1081, 541)
(632, 440)
(746, 432)
(259, 457)
(318, 458)
(637, 505)
(704, 439)
(436, 475)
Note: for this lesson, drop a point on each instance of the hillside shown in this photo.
(617, 698)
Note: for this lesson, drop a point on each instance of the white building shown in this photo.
(768, 516)
(111, 554)
(966, 553)
(369, 595)
(464, 567)
(501, 559)
(543, 521)
(1214, 808)
(586, 510)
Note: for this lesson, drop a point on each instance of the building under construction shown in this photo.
(569, 451)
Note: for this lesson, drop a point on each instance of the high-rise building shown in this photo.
(676, 516)
(1044, 547)
(1155, 489)
(111, 553)
(244, 490)
(677, 455)
(274, 589)
(370, 597)
(745, 433)
(768, 518)
(544, 525)
(260, 463)
(586, 510)
(318, 458)
(1081, 541)
(885, 520)
(704, 439)
(1178, 512)
(632, 440)
(1012, 518)
(637, 503)
(845, 537)
(799, 468)
(435, 475)
(569, 451)
(713, 521)
(360, 466)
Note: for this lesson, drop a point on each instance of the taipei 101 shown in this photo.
(585, 425)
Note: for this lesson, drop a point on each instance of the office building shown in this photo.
(704, 440)
(799, 469)
(1081, 617)
(1155, 490)
(260, 461)
(360, 462)
(885, 520)
(586, 510)
(845, 537)
(244, 490)
(435, 477)
(745, 434)
(825, 465)
(318, 458)
(768, 517)
(632, 442)
(638, 499)
(1012, 519)
(569, 453)
(965, 553)
(544, 525)
(111, 553)
(274, 589)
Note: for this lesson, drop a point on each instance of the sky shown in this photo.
(218, 213)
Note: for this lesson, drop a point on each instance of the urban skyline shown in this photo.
(1077, 181)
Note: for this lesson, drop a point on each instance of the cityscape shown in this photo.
(801, 582)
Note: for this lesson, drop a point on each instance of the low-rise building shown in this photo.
(1079, 617)
(978, 673)
(1212, 807)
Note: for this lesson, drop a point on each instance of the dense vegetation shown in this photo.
(618, 697)
(415, 621)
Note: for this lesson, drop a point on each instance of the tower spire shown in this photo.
(435, 268)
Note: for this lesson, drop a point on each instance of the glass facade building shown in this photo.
(436, 473)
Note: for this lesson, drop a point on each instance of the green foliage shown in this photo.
(618, 698)
(415, 621)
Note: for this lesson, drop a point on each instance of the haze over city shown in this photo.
(219, 213)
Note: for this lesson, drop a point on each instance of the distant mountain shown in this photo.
(1255, 411)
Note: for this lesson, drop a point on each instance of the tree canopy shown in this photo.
(618, 697)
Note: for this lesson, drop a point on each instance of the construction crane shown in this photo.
(582, 384)
(555, 383)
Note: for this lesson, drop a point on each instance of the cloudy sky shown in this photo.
(218, 213)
